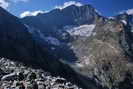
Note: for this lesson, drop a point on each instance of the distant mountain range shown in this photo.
(92, 51)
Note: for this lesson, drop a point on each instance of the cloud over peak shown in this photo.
(35, 13)
(129, 11)
(66, 4)
(31, 13)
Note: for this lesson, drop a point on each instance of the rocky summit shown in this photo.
(70, 48)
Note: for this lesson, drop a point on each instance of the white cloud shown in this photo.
(34, 13)
(31, 13)
(66, 4)
(129, 12)
(4, 4)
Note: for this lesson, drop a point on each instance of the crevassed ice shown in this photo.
(83, 30)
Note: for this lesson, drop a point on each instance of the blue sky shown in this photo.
(106, 7)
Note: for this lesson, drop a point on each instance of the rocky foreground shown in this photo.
(17, 76)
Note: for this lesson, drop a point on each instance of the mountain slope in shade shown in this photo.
(17, 43)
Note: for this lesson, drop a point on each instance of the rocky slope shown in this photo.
(15, 75)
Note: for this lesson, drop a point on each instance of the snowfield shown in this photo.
(83, 30)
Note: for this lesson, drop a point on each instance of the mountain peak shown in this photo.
(70, 15)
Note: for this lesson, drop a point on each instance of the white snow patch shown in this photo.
(79, 65)
(35, 31)
(98, 12)
(30, 29)
(68, 26)
(123, 21)
(83, 30)
(48, 39)
(52, 40)
(132, 30)
(94, 33)
(111, 18)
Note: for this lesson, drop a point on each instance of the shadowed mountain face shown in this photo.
(17, 43)
(15, 39)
